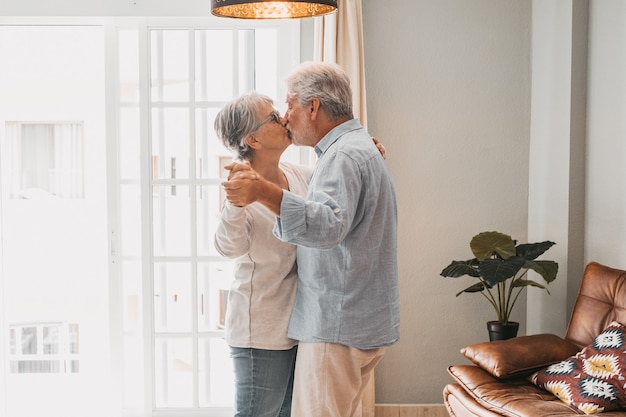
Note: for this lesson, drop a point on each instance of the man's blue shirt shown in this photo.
(346, 232)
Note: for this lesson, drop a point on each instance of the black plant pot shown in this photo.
(499, 331)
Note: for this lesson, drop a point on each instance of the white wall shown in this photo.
(459, 142)
(578, 132)
(557, 146)
(448, 90)
(605, 222)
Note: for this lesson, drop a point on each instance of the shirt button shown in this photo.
(337, 210)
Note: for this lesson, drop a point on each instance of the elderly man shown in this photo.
(347, 308)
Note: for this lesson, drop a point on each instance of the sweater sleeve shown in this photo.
(232, 238)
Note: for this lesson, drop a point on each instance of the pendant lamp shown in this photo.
(272, 9)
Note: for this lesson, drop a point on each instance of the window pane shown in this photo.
(245, 60)
(36, 367)
(12, 342)
(170, 143)
(174, 385)
(50, 340)
(73, 338)
(172, 227)
(266, 54)
(172, 297)
(170, 65)
(29, 341)
(209, 204)
(210, 153)
(214, 65)
(214, 280)
(216, 383)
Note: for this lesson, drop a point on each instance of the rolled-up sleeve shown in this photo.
(292, 221)
(323, 219)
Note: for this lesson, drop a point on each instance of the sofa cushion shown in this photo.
(519, 356)
(593, 379)
(514, 397)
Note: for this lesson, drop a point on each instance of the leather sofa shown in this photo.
(496, 383)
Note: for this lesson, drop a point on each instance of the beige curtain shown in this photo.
(339, 39)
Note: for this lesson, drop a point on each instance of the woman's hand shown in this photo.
(380, 147)
(240, 170)
(240, 186)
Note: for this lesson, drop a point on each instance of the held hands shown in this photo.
(240, 186)
(240, 170)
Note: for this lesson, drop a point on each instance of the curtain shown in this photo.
(339, 39)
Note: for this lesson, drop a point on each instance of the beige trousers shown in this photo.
(330, 379)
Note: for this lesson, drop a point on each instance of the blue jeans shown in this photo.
(263, 381)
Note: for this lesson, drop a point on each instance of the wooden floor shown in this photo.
(404, 410)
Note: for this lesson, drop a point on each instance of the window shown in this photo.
(44, 348)
(173, 81)
(46, 159)
(129, 214)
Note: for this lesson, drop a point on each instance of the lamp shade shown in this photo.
(272, 9)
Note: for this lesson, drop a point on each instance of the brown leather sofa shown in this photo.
(496, 384)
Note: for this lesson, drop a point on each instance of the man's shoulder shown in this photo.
(358, 145)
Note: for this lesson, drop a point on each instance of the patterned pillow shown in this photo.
(594, 379)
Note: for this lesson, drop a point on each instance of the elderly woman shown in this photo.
(264, 287)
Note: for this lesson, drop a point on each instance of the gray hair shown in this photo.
(327, 82)
(237, 120)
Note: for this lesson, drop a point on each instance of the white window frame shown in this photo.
(144, 27)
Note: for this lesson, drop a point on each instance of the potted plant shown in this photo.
(500, 265)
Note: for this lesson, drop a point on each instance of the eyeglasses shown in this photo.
(275, 116)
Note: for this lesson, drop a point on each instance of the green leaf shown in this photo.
(459, 268)
(518, 283)
(530, 251)
(494, 271)
(487, 244)
(478, 287)
(547, 269)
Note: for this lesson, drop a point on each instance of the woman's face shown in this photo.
(270, 131)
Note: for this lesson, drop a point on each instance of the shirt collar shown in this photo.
(332, 136)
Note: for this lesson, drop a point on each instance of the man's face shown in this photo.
(299, 124)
